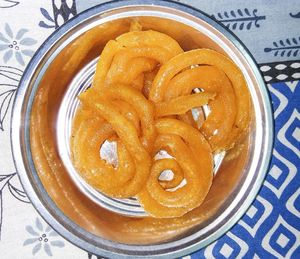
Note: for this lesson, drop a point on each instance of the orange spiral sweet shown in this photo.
(142, 98)
(128, 136)
(211, 79)
(167, 164)
(186, 62)
(185, 144)
(131, 54)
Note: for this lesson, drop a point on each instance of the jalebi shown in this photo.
(142, 98)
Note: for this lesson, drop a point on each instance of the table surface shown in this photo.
(270, 30)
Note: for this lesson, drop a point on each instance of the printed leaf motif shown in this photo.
(38, 224)
(294, 40)
(249, 26)
(36, 248)
(28, 41)
(29, 241)
(239, 19)
(285, 47)
(31, 231)
(4, 180)
(11, 73)
(46, 14)
(8, 3)
(48, 228)
(9, 80)
(18, 194)
(57, 243)
(47, 249)
(3, 39)
(49, 23)
(19, 58)
(53, 234)
(297, 15)
(281, 43)
(5, 101)
(3, 47)
(247, 12)
(28, 52)
(8, 31)
(44, 25)
(21, 33)
(7, 56)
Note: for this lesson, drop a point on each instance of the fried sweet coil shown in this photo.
(143, 83)
(216, 127)
(128, 64)
(148, 80)
(185, 61)
(104, 63)
(142, 107)
(127, 135)
(126, 110)
(185, 144)
(131, 54)
(182, 104)
(150, 38)
(138, 83)
(170, 164)
(88, 138)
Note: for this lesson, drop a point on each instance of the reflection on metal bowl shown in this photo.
(72, 210)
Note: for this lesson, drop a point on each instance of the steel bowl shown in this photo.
(45, 105)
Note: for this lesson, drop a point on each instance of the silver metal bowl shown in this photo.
(43, 110)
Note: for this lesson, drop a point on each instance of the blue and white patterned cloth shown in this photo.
(271, 31)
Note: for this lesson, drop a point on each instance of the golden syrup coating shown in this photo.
(216, 127)
(188, 60)
(142, 99)
(185, 144)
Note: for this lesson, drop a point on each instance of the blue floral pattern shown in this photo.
(43, 237)
(240, 19)
(287, 47)
(16, 45)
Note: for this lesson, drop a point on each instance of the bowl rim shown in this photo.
(65, 226)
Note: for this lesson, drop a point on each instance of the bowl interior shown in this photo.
(71, 52)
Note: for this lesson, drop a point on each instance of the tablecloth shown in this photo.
(271, 31)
